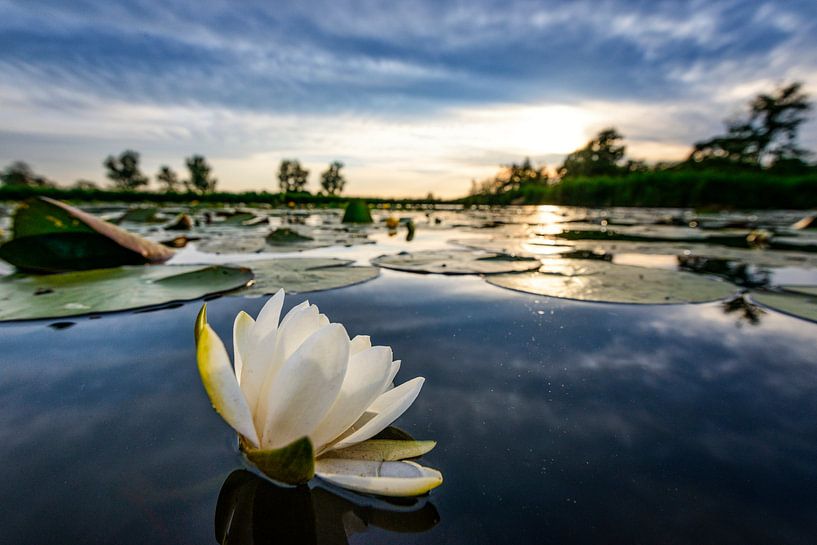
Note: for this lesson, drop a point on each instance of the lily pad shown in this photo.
(597, 280)
(226, 244)
(513, 246)
(795, 304)
(139, 215)
(27, 297)
(243, 219)
(803, 290)
(298, 275)
(285, 235)
(456, 262)
(383, 450)
(51, 236)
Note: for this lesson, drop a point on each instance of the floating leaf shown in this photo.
(26, 297)
(285, 235)
(456, 262)
(292, 464)
(298, 275)
(804, 290)
(799, 305)
(383, 450)
(50, 236)
(231, 244)
(139, 215)
(357, 211)
(513, 246)
(596, 280)
(243, 219)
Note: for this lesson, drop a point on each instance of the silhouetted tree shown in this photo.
(20, 173)
(602, 156)
(168, 179)
(124, 171)
(515, 176)
(765, 137)
(332, 181)
(86, 185)
(200, 179)
(291, 177)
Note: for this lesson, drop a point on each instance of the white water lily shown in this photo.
(307, 400)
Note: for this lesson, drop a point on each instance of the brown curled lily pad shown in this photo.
(800, 305)
(601, 281)
(51, 236)
(302, 274)
(456, 262)
(27, 297)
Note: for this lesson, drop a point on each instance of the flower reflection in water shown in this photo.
(252, 510)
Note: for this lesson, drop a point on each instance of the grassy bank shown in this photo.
(14, 193)
(683, 189)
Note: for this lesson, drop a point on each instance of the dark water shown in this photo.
(556, 422)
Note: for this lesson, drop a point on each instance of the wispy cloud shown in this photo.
(414, 96)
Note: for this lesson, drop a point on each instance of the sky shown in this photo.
(413, 97)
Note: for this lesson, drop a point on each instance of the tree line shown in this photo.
(124, 173)
(762, 140)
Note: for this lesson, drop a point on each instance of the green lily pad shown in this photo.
(227, 244)
(292, 464)
(597, 280)
(51, 236)
(27, 297)
(243, 219)
(303, 274)
(803, 290)
(285, 235)
(456, 262)
(139, 215)
(799, 305)
(383, 450)
(530, 247)
(357, 211)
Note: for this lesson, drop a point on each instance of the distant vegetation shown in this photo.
(128, 183)
(756, 163)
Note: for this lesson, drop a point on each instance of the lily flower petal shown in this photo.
(242, 341)
(221, 385)
(271, 354)
(267, 320)
(361, 343)
(364, 381)
(308, 385)
(395, 368)
(383, 478)
(293, 311)
(381, 413)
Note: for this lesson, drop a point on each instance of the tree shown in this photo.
(168, 179)
(765, 137)
(291, 177)
(515, 176)
(200, 179)
(602, 156)
(332, 181)
(85, 185)
(124, 171)
(20, 173)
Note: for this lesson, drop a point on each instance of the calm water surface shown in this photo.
(556, 421)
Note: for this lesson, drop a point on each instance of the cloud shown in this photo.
(413, 97)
